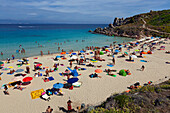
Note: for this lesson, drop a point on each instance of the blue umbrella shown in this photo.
(81, 51)
(74, 53)
(106, 46)
(117, 51)
(58, 56)
(20, 60)
(74, 73)
(58, 85)
(72, 80)
(19, 70)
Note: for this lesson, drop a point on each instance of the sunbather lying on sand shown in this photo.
(94, 76)
(109, 70)
(90, 65)
(168, 52)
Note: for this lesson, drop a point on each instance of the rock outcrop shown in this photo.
(137, 27)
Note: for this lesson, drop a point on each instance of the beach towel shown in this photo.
(60, 74)
(10, 74)
(37, 93)
(110, 65)
(112, 75)
(50, 78)
(143, 61)
(42, 70)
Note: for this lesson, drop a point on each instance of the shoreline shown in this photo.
(92, 91)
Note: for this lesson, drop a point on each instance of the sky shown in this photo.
(75, 11)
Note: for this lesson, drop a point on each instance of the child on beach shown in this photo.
(49, 110)
(142, 68)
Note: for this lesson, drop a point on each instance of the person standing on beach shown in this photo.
(47, 72)
(48, 52)
(142, 68)
(113, 59)
(13, 57)
(41, 53)
(71, 64)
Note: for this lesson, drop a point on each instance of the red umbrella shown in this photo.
(27, 79)
(98, 71)
(38, 65)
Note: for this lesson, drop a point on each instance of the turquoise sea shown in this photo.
(49, 35)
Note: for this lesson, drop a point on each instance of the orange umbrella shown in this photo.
(144, 52)
(107, 50)
(63, 53)
(98, 71)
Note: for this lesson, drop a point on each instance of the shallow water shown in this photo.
(30, 36)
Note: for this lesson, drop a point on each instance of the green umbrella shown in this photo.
(1, 63)
(126, 53)
(137, 50)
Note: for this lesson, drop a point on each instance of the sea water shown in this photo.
(14, 37)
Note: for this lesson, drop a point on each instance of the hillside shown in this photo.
(154, 23)
(147, 99)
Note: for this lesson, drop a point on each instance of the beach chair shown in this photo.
(45, 96)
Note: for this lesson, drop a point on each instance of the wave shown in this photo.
(26, 26)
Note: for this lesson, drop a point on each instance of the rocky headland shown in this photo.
(154, 23)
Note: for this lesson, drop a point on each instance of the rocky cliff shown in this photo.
(154, 23)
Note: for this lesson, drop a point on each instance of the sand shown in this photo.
(93, 90)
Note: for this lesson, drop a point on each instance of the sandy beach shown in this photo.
(93, 90)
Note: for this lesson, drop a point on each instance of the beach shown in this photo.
(93, 90)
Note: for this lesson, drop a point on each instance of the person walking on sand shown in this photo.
(142, 68)
(69, 106)
(41, 53)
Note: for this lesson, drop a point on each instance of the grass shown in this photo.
(165, 86)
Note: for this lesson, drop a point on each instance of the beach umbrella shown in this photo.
(101, 53)
(98, 71)
(19, 70)
(133, 56)
(122, 72)
(27, 79)
(58, 85)
(63, 53)
(58, 56)
(93, 60)
(18, 78)
(1, 63)
(126, 53)
(75, 73)
(74, 57)
(107, 50)
(117, 51)
(20, 60)
(38, 65)
(106, 46)
(72, 80)
(74, 53)
(144, 52)
(81, 51)
(137, 50)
